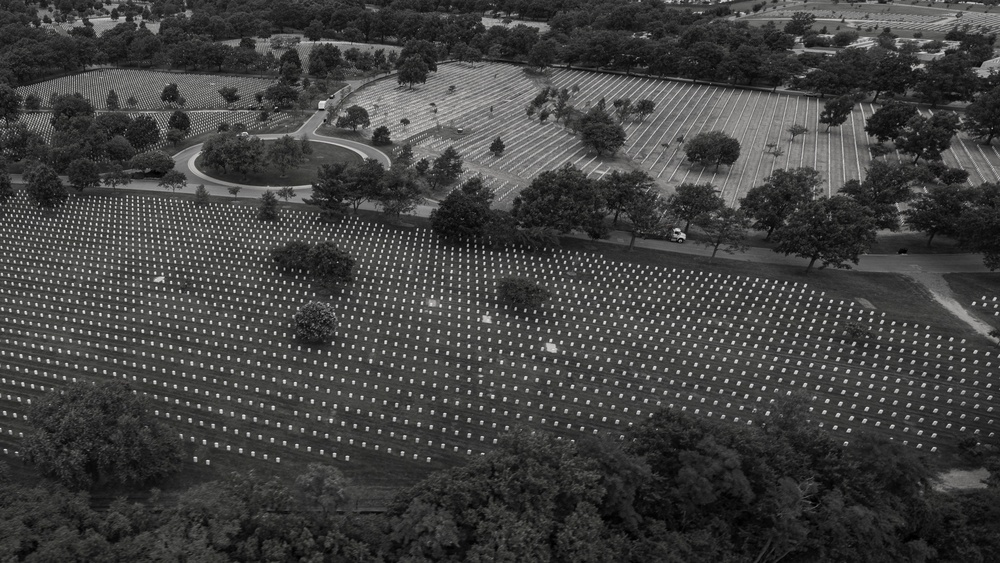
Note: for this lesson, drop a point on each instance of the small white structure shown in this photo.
(322, 105)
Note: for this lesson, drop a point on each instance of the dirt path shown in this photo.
(939, 289)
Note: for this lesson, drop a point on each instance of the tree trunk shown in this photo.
(877, 94)
(811, 262)
(631, 243)
(930, 238)
(715, 250)
(769, 231)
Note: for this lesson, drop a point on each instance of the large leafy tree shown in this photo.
(982, 117)
(10, 104)
(927, 137)
(464, 215)
(891, 72)
(832, 231)
(600, 132)
(951, 78)
(938, 210)
(412, 70)
(173, 180)
(154, 162)
(142, 132)
(836, 111)
(284, 153)
(354, 117)
(619, 188)
(648, 213)
(692, 200)
(887, 121)
(885, 186)
(398, 191)
(83, 173)
(446, 169)
(99, 433)
(329, 192)
(531, 498)
(712, 147)
(726, 228)
(563, 199)
(71, 112)
(44, 187)
(771, 203)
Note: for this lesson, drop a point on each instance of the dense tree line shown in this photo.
(678, 487)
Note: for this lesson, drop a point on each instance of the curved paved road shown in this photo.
(185, 159)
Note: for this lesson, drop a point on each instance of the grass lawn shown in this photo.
(971, 288)
(304, 174)
(426, 361)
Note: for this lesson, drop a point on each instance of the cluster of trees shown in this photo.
(79, 132)
(888, 70)
(677, 488)
(341, 187)
(235, 151)
(970, 215)
(325, 262)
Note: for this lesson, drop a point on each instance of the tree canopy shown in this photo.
(771, 203)
(712, 148)
(564, 199)
(833, 231)
(99, 433)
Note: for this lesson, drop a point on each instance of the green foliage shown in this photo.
(726, 228)
(71, 112)
(324, 261)
(692, 200)
(231, 151)
(99, 433)
(446, 169)
(10, 104)
(117, 177)
(938, 211)
(982, 117)
(142, 133)
(712, 147)
(281, 95)
(315, 323)
(771, 203)
(979, 224)
(44, 187)
(620, 188)
(284, 153)
(380, 136)
(833, 231)
(6, 186)
(464, 215)
(201, 195)
(836, 111)
(497, 147)
(180, 121)
(173, 180)
(884, 187)
(398, 191)
(229, 94)
(171, 94)
(887, 121)
(354, 117)
(521, 293)
(563, 199)
(600, 133)
(927, 138)
(268, 208)
(412, 70)
(82, 174)
(153, 162)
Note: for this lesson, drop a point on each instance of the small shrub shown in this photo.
(521, 293)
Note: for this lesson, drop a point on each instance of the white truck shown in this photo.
(676, 235)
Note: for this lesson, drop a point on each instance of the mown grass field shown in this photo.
(428, 369)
